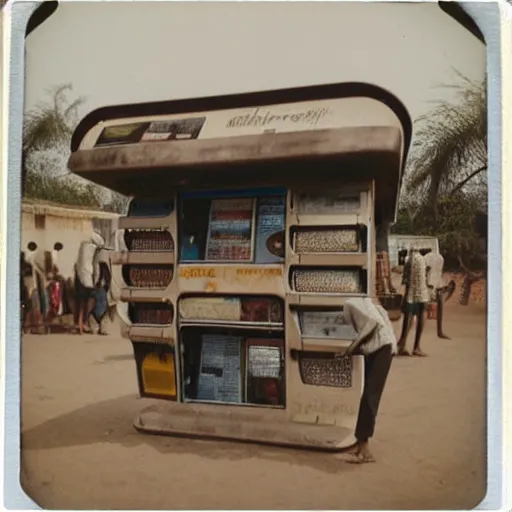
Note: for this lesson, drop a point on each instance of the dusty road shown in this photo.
(81, 451)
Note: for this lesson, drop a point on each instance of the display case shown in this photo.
(232, 365)
(233, 226)
(330, 260)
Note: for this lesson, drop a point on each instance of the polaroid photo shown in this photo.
(252, 255)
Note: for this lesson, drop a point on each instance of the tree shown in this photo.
(48, 125)
(58, 190)
(47, 132)
(450, 147)
(445, 191)
(51, 123)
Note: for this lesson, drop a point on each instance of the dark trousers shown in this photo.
(376, 369)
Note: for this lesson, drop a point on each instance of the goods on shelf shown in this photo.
(390, 300)
(263, 361)
(328, 324)
(151, 313)
(210, 308)
(327, 203)
(232, 309)
(149, 276)
(326, 371)
(265, 372)
(149, 240)
(326, 281)
(262, 310)
(326, 241)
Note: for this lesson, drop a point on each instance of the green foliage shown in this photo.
(51, 123)
(445, 185)
(454, 224)
(450, 144)
(118, 204)
(58, 190)
(49, 126)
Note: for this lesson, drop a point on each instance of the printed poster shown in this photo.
(270, 238)
(177, 129)
(230, 230)
(220, 377)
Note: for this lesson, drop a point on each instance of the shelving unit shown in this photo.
(150, 242)
(224, 296)
(142, 258)
(349, 209)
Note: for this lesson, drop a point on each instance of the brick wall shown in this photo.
(478, 289)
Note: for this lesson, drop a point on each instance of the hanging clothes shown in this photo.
(55, 298)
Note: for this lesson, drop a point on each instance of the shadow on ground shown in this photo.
(111, 422)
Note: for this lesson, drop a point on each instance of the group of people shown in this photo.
(376, 340)
(46, 295)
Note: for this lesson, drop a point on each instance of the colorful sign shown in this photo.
(270, 237)
(283, 118)
(230, 230)
(220, 377)
(122, 134)
(198, 272)
(178, 129)
(249, 272)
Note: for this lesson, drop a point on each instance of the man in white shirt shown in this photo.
(376, 341)
(439, 290)
(84, 279)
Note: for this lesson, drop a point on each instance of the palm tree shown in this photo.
(450, 152)
(47, 130)
(49, 124)
(450, 146)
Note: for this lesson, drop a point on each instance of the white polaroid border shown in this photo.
(492, 17)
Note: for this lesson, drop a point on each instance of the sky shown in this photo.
(114, 53)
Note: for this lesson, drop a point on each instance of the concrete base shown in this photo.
(250, 426)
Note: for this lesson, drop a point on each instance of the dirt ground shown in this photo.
(80, 451)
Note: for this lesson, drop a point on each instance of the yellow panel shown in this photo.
(159, 375)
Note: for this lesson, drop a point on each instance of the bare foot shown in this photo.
(419, 353)
(363, 457)
(362, 454)
(443, 337)
(354, 450)
(403, 352)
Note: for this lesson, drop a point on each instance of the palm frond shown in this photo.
(52, 122)
(450, 141)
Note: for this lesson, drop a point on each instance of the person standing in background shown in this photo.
(26, 305)
(84, 280)
(439, 291)
(101, 290)
(415, 300)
